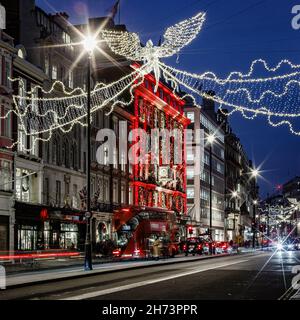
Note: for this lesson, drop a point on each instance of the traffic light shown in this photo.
(190, 230)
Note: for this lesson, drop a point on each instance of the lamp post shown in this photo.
(211, 139)
(254, 175)
(234, 195)
(89, 44)
(255, 223)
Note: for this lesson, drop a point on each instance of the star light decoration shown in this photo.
(274, 95)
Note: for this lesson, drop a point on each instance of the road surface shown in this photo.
(253, 276)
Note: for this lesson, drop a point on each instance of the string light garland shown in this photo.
(176, 37)
(274, 95)
(43, 116)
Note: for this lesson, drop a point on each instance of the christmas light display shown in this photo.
(40, 117)
(273, 94)
(175, 38)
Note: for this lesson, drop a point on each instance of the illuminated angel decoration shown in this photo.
(274, 95)
(128, 44)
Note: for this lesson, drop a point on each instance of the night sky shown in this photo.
(236, 32)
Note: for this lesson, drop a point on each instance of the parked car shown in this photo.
(209, 245)
(193, 246)
(223, 247)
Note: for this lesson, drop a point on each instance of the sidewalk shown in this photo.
(42, 276)
(50, 264)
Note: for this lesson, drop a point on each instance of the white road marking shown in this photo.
(147, 282)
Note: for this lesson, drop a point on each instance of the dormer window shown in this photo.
(21, 54)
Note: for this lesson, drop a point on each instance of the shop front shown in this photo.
(4, 233)
(40, 228)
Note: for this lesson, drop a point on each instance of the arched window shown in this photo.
(54, 151)
(66, 157)
(58, 159)
(21, 54)
(74, 156)
(21, 51)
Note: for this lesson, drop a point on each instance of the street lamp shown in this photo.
(254, 173)
(210, 139)
(89, 44)
(234, 194)
(255, 202)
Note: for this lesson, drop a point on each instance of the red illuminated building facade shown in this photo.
(159, 185)
(157, 194)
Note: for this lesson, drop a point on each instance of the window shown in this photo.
(27, 238)
(190, 172)
(161, 94)
(58, 193)
(189, 136)
(190, 192)
(22, 92)
(190, 155)
(74, 157)
(123, 194)
(47, 65)
(191, 115)
(5, 176)
(46, 191)
(130, 195)
(67, 188)
(21, 54)
(7, 73)
(116, 164)
(34, 146)
(62, 74)
(66, 38)
(206, 159)
(55, 152)
(34, 96)
(115, 192)
(22, 145)
(65, 154)
(23, 184)
(123, 161)
(7, 124)
(211, 127)
(220, 168)
(71, 79)
(75, 202)
(54, 72)
(204, 194)
(106, 190)
(93, 186)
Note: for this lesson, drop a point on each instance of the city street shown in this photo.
(259, 276)
(149, 151)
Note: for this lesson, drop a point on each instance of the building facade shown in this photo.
(241, 190)
(291, 189)
(7, 215)
(198, 186)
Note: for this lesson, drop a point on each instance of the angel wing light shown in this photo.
(128, 44)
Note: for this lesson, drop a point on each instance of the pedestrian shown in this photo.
(156, 248)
